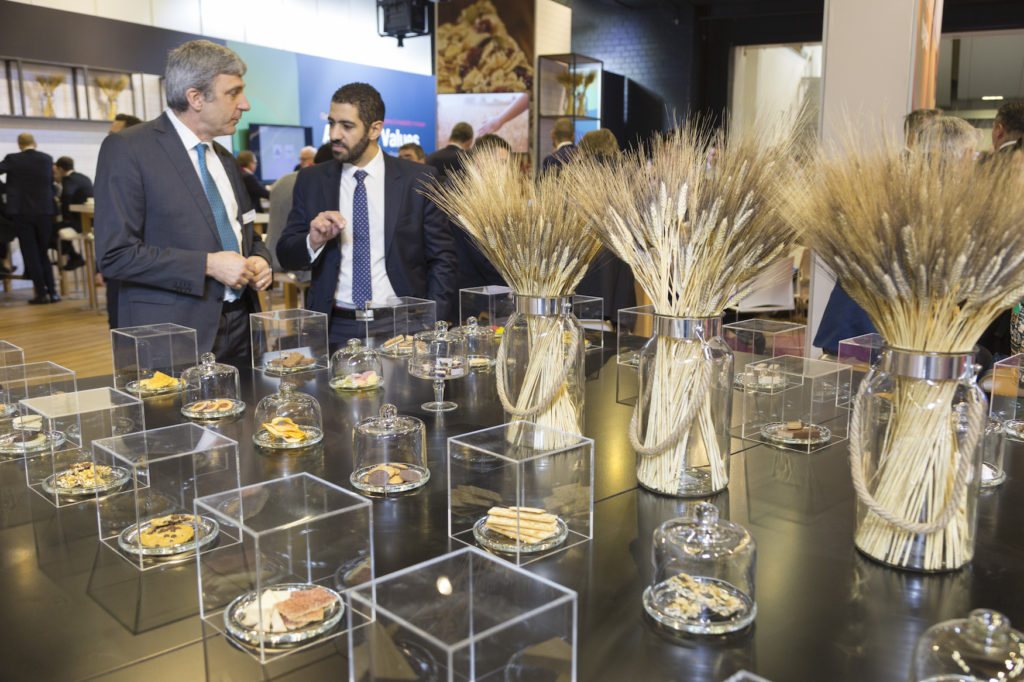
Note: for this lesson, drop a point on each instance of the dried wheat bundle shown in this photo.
(932, 249)
(695, 237)
(540, 244)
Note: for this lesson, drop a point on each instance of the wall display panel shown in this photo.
(486, 109)
(110, 93)
(408, 100)
(48, 90)
(5, 93)
(481, 48)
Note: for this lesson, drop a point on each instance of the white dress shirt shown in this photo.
(220, 178)
(374, 182)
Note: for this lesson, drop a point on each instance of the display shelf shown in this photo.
(568, 86)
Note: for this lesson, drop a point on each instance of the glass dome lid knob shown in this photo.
(441, 326)
(388, 412)
(353, 344)
(207, 358)
(471, 322)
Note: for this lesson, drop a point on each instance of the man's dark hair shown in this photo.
(416, 149)
(245, 157)
(461, 132)
(1011, 116)
(490, 141)
(128, 119)
(323, 153)
(365, 98)
(65, 163)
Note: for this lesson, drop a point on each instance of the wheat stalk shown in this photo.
(932, 249)
(695, 238)
(541, 246)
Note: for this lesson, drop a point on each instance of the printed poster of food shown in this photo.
(482, 49)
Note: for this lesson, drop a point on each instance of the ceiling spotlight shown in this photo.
(990, 98)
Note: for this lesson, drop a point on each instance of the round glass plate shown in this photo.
(195, 410)
(265, 439)
(253, 636)
(502, 543)
(669, 606)
(48, 439)
(7, 409)
(134, 388)
(128, 540)
(339, 384)
(808, 434)
(111, 480)
(353, 572)
(276, 370)
(359, 479)
(436, 371)
(765, 383)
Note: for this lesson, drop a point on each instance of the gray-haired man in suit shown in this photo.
(173, 222)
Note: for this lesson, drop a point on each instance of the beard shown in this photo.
(353, 154)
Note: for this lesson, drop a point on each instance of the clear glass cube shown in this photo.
(18, 434)
(1006, 411)
(64, 472)
(635, 328)
(289, 550)
(149, 522)
(520, 490)
(149, 360)
(795, 403)
(392, 334)
(11, 354)
(289, 341)
(589, 310)
(490, 305)
(465, 616)
(756, 339)
(861, 353)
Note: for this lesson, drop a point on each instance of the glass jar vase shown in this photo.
(540, 364)
(916, 437)
(680, 426)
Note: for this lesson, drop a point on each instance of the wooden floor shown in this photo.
(65, 333)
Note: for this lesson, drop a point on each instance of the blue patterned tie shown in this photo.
(362, 284)
(228, 241)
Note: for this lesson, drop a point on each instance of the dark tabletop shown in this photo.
(73, 610)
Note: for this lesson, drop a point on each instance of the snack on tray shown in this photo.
(83, 475)
(367, 379)
(158, 382)
(400, 342)
(477, 54)
(285, 429)
(212, 407)
(694, 596)
(292, 360)
(168, 531)
(24, 438)
(799, 430)
(525, 524)
(390, 474)
(285, 610)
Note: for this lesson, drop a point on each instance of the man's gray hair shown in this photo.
(947, 136)
(195, 65)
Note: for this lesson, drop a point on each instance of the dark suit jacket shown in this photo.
(75, 189)
(29, 183)
(558, 158)
(843, 319)
(255, 190)
(446, 160)
(418, 246)
(154, 228)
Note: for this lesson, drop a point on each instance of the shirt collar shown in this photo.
(1008, 143)
(374, 169)
(563, 144)
(188, 138)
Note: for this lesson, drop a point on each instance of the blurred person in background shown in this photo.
(449, 158)
(75, 188)
(563, 134)
(253, 187)
(410, 151)
(306, 156)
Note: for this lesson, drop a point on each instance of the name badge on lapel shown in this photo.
(248, 217)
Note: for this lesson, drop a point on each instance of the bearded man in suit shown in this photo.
(173, 222)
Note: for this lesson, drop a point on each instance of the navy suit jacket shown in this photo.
(558, 158)
(154, 228)
(29, 183)
(419, 250)
(446, 160)
(75, 189)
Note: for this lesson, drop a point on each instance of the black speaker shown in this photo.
(402, 18)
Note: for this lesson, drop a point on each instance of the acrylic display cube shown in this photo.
(490, 305)
(1006, 401)
(465, 616)
(297, 536)
(140, 352)
(392, 334)
(796, 403)
(11, 354)
(862, 354)
(520, 490)
(149, 522)
(64, 472)
(754, 340)
(634, 329)
(289, 341)
(20, 382)
(589, 310)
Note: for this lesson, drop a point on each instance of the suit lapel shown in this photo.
(178, 157)
(393, 197)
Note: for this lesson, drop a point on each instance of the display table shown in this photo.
(72, 610)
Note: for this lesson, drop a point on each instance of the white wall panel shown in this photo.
(177, 15)
(223, 19)
(135, 11)
(553, 32)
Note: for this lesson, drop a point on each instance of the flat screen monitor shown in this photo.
(277, 148)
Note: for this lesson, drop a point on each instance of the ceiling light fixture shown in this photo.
(990, 98)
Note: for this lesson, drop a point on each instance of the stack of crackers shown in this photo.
(291, 360)
(285, 429)
(391, 474)
(526, 524)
